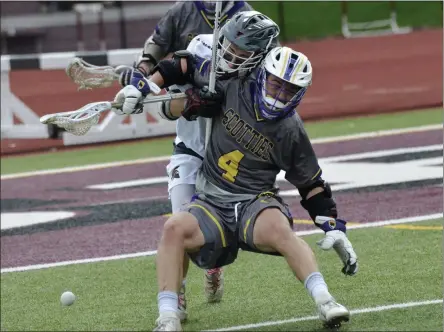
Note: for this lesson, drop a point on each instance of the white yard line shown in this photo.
(132, 183)
(85, 167)
(79, 261)
(154, 252)
(379, 133)
(384, 153)
(352, 312)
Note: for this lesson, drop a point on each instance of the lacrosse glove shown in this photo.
(126, 73)
(201, 102)
(336, 238)
(132, 95)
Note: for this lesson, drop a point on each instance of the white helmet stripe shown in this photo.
(285, 61)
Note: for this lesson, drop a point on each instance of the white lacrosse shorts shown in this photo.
(182, 169)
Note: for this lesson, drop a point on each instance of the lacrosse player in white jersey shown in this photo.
(183, 21)
(174, 32)
(243, 42)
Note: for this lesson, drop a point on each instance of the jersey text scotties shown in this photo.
(244, 133)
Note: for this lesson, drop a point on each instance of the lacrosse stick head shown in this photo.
(78, 122)
(88, 76)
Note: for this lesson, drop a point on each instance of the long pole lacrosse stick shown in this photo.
(212, 83)
(79, 122)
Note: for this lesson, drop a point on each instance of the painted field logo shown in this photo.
(381, 170)
(145, 198)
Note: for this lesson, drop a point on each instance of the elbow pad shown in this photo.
(151, 52)
(321, 204)
(171, 69)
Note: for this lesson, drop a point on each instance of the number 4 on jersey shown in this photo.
(229, 162)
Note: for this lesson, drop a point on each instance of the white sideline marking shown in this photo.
(384, 153)
(377, 133)
(389, 91)
(165, 158)
(352, 312)
(20, 219)
(78, 261)
(85, 167)
(153, 252)
(132, 183)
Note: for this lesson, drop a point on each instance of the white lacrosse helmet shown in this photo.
(282, 81)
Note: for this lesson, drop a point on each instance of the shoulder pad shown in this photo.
(182, 54)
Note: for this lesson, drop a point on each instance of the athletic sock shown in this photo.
(317, 288)
(167, 301)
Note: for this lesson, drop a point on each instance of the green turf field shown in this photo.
(316, 19)
(396, 266)
(163, 147)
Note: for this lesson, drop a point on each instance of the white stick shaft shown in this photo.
(169, 96)
(212, 83)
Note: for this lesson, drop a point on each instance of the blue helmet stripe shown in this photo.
(290, 67)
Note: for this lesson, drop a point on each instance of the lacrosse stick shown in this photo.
(79, 122)
(88, 76)
(212, 83)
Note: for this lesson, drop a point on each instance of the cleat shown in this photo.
(182, 305)
(214, 285)
(332, 314)
(168, 321)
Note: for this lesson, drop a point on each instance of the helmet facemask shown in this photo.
(282, 82)
(275, 97)
(233, 61)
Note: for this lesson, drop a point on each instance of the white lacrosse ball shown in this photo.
(67, 298)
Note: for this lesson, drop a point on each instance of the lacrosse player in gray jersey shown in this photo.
(184, 21)
(256, 134)
(242, 45)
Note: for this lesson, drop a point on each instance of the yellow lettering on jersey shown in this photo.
(247, 128)
(229, 162)
(255, 138)
(227, 116)
(262, 150)
(234, 119)
(246, 135)
(239, 125)
(265, 153)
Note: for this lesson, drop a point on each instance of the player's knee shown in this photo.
(180, 226)
(272, 226)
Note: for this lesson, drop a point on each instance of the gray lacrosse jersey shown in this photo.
(184, 21)
(246, 152)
